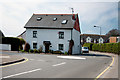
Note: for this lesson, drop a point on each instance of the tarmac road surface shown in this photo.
(53, 66)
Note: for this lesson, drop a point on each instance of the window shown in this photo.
(61, 35)
(34, 34)
(60, 46)
(54, 19)
(64, 22)
(39, 18)
(34, 45)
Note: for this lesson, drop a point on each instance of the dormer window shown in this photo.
(54, 19)
(64, 22)
(39, 18)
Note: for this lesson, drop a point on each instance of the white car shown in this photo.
(85, 50)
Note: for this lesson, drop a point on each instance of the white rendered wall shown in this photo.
(100, 40)
(88, 39)
(5, 47)
(76, 39)
(48, 35)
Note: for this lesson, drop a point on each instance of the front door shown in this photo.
(46, 48)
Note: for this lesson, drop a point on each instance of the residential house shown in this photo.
(114, 39)
(1, 35)
(4, 46)
(22, 35)
(54, 32)
(93, 38)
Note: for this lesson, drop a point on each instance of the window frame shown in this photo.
(34, 45)
(34, 34)
(61, 35)
(60, 46)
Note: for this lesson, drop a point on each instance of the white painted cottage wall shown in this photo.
(76, 39)
(101, 40)
(88, 39)
(49, 35)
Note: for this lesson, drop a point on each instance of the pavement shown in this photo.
(112, 72)
(6, 59)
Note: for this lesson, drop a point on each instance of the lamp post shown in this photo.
(100, 31)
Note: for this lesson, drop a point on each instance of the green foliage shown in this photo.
(31, 51)
(50, 51)
(40, 49)
(22, 41)
(35, 51)
(27, 47)
(66, 53)
(57, 52)
(22, 51)
(89, 45)
(119, 48)
(107, 47)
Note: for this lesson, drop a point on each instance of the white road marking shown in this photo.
(4, 56)
(59, 64)
(22, 73)
(70, 57)
(31, 59)
(4, 62)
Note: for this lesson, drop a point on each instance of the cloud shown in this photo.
(16, 13)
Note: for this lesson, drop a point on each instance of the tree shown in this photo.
(113, 32)
(27, 47)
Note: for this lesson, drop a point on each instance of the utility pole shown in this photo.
(72, 10)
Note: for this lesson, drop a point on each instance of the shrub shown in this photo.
(27, 47)
(57, 52)
(22, 41)
(40, 49)
(15, 42)
(119, 48)
(35, 51)
(107, 47)
(31, 51)
(50, 51)
(66, 53)
(22, 51)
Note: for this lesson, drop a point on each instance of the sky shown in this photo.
(14, 14)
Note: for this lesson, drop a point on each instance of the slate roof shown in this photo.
(22, 34)
(94, 36)
(47, 21)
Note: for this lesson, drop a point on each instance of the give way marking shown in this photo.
(70, 57)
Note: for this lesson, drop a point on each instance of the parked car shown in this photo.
(85, 50)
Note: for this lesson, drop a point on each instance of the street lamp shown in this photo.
(100, 31)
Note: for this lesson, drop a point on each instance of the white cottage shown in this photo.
(54, 32)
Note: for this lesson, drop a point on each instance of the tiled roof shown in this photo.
(94, 36)
(47, 21)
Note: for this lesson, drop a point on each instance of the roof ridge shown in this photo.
(93, 34)
(52, 14)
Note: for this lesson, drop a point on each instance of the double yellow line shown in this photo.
(105, 69)
(15, 63)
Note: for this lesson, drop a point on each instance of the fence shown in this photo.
(5, 47)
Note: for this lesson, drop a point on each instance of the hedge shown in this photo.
(105, 47)
(89, 45)
(16, 43)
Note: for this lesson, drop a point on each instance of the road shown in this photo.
(51, 66)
